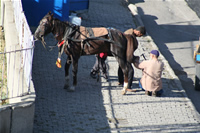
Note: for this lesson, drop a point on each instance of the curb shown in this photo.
(134, 11)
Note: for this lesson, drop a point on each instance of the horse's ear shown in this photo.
(51, 17)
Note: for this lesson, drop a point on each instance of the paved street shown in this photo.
(194, 5)
(99, 107)
(175, 30)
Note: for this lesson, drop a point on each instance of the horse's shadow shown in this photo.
(59, 109)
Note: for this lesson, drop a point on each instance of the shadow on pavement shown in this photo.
(59, 110)
(162, 34)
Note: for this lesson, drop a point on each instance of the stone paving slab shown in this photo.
(99, 107)
(173, 112)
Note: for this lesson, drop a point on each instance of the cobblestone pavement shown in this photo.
(99, 107)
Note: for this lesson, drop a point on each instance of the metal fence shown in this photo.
(15, 72)
(16, 61)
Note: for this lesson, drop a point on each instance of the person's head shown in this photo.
(154, 54)
(140, 31)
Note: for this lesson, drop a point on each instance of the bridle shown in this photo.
(44, 23)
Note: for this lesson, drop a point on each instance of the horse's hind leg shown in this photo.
(129, 77)
(125, 68)
(67, 65)
(124, 90)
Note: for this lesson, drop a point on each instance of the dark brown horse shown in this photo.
(114, 43)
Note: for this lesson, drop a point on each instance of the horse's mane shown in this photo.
(60, 26)
(61, 23)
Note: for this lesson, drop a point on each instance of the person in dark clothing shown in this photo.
(138, 32)
(99, 65)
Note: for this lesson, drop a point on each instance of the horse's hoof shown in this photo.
(66, 82)
(124, 91)
(71, 89)
(66, 86)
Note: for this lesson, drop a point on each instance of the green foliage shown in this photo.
(3, 71)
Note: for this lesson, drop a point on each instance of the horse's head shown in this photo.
(45, 27)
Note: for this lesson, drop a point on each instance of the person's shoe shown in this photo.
(147, 93)
(154, 94)
(105, 75)
(93, 75)
(158, 95)
(120, 83)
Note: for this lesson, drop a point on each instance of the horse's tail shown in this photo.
(132, 45)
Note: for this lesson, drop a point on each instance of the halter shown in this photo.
(43, 30)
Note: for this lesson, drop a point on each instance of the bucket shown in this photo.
(75, 20)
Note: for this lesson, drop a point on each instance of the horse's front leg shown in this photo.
(74, 74)
(67, 66)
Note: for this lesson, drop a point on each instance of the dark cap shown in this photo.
(155, 52)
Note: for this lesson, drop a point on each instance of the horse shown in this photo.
(114, 43)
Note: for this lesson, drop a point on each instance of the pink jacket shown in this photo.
(151, 78)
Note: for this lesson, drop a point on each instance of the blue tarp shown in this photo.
(35, 10)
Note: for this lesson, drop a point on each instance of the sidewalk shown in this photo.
(99, 106)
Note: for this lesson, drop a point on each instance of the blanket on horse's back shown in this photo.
(96, 32)
(132, 45)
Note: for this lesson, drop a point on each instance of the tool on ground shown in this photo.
(143, 56)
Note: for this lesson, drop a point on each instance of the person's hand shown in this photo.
(136, 59)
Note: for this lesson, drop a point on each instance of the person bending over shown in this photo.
(138, 32)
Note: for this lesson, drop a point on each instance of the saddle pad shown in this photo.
(101, 31)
